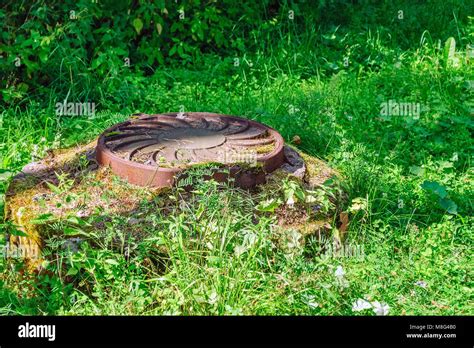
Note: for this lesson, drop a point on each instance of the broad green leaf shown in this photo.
(41, 219)
(435, 188)
(73, 231)
(11, 229)
(138, 25)
(77, 221)
(417, 170)
(329, 181)
(43, 55)
(268, 205)
(112, 262)
(53, 188)
(448, 205)
(72, 271)
(172, 50)
(299, 193)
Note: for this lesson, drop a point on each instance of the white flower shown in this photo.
(213, 298)
(290, 202)
(233, 311)
(310, 301)
(421, 284)
(360, 305)
(239, 250)
(339, 272)
(380, 308)
(81, 213)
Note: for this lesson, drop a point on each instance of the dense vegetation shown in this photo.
(324, 71)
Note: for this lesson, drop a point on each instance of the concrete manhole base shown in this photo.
(39, 192)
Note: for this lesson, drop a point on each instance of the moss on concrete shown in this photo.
(85, 189)
(69, 183)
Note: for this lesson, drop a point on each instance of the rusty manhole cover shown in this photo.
(150, 150)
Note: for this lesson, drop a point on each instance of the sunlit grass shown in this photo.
(408, 238)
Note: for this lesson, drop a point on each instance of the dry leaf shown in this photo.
(296, 140)
(159, 28)
(344, 217)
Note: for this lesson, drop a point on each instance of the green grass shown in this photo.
(405, 233)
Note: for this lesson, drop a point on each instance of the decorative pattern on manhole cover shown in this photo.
(149, 150)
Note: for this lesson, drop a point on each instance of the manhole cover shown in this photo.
(150, 150)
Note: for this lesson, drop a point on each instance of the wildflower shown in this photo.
(233, 311)
(339, 272)
(81, 213)
(310, 301)
(213, 297)
(290, 202)
(380, 308)
(421, 284)
(340, 280)
(360, 305)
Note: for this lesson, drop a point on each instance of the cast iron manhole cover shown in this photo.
(150, 150)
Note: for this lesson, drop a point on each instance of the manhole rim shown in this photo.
(105, 157)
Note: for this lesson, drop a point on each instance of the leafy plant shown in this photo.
(269, 205)
(440, 191)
